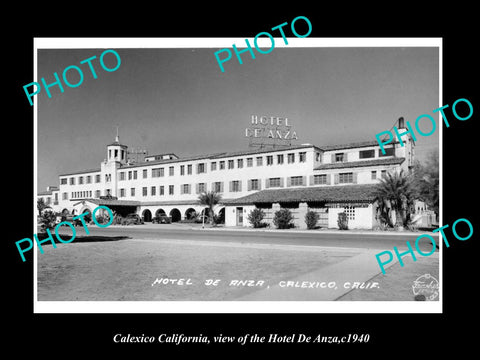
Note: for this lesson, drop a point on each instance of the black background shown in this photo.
(60, 335)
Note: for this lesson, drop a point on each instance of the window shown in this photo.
(388, 152)
(88, 179)
(254, 184)
(384, 174)
(162, 190)
(200, 168)
(374, 174)
(65, 195)
(108, 177)
(132, 192)
(122, 192)
(320, 179)
(339, 157)
(97, 193)
(145, 171)
(222, 165)
(366, 154)
(122, 176)
(63, 181)
(135, 175)
(213, 166)
(302, 157)
(153, 190)
(235, 186)
(280, 159)
(185, 189)
(170, 189)
(274, 182)
(259, 161)
(182, 170)
(171, 171)
(144, 191)
(158, 172)
(249, 162)
(72, 181)
(201, 188)
(230, 164)
(189, 169)
(129, 175)
(240, 163)
(291, 158)
(317, 157)
(350, 211)
(218, 186)
(345, 178)
(270, 160)
(296, 180)
(97, 178)
(116, 153)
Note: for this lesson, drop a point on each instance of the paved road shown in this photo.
(342, 239)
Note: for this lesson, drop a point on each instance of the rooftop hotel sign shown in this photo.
(271, 130)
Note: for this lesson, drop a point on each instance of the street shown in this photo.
(194, 232)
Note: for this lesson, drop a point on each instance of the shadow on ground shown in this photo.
(85, 239)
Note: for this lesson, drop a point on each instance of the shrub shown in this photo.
(342, 221)
(311, 218)
(47, 220)
(283, 219)
(255, 218)
(103, 219)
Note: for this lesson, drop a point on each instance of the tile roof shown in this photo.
(113, 202)
(361, 163)
(46, 192)
(345, 193)
(349, 145)
(81, 172)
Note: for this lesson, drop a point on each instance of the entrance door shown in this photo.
(239, 216)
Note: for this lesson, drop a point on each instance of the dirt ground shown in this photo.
(128, 269)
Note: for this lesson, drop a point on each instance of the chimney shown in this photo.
(401, 123)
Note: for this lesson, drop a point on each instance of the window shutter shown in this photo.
(333, 158)
(289, 181)
(249, 185)
(259, 185)
(221, 186)
(336, 178)
(345, 157)
(267, 183)
(304, 180)
(240, 185)
(354, 177)
(197, 188)
(230, 186)
(181, 189)
(311, 181)
(281, 182)
(329, 181)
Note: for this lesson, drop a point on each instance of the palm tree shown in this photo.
(210, 199)
(396, 191)
(41, 205)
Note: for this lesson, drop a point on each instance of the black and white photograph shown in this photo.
(242, 187)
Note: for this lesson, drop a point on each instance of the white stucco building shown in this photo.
(327, 179)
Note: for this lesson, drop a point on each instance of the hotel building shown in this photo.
(326, 179)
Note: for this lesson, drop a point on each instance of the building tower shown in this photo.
(116, 157)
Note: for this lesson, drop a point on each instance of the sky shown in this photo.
(177, 100)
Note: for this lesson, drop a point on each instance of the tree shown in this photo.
(426, 181)
(311, 219)
(283, 219)
(210, 199)
(41, 205)
(255, 218)
(395, 191)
